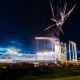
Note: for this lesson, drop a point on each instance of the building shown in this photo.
(57, 52)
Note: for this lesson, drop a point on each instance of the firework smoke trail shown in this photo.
(60, 19)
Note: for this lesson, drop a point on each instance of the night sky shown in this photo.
(22, 20)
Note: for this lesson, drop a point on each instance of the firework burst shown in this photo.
(60, 19)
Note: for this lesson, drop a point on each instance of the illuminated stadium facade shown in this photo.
(57, 52)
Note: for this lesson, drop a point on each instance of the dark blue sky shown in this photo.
(22, 20)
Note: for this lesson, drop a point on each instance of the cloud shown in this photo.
(3, 50)
(16, 43)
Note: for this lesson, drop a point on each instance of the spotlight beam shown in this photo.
(49, 27)
(67, 15)
(52, 9)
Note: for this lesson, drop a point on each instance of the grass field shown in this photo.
(40, 74)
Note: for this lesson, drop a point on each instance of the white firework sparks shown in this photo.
(63, 16)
